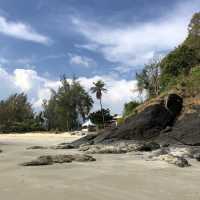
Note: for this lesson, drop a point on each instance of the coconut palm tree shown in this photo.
(98, 89)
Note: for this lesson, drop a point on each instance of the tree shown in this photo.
(149, 78)
(67, 106)
(16, 114)
(96, 117)
(129, 108)
(194, 26)
(98, 89)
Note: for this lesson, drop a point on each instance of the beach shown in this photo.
(111, 177)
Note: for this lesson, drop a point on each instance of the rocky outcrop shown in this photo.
(185, 131)
(51, 159)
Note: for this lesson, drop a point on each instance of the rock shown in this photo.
(37, 147)
(65, 146)
(84, 148)
(49, 160)
(159, 152)
(1, 151)
(175, 160)
(42, 160)
(197, 156)
(83, 158)
(185, 131)
(151, 146)
(88, 139)
(145, 125)
(105, 149)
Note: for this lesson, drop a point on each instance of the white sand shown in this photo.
(111, 177)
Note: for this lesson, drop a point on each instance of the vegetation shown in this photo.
(129, 108)
(98, 89)
(96, 117)
(16, 115)
(67, 106)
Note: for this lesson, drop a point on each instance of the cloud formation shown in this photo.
(21, 31)
(81, 60)
(38, 88)
(135, 44)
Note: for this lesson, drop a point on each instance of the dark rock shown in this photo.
(65, 146)
(145, 125)
(1, 151)
(185, 131)
(88, 139)
(151, 146)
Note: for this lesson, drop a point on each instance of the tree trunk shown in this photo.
(102, 113)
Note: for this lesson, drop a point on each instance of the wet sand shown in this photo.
(111, 177)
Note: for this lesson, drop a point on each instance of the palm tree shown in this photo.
(98, 89)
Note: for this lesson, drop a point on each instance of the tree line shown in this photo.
(66, 109)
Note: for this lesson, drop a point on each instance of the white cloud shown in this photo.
(134, 44)
(21, 31)
(38, 88)
(81, 60)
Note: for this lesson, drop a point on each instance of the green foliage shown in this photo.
(96, 117)
(16, 115)
(129, 108)
(98, 89)
(180, 61)
(66, 106)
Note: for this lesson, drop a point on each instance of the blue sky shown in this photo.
(108, 39)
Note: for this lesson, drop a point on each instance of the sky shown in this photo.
(109, 39)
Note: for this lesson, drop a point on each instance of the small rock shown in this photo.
(175, 160)
(42, 160)
(36, 147)
(65, 146)
(1, 151)
(49, 160)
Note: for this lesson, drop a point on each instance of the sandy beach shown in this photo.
(111, 177)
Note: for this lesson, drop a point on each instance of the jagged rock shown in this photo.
(151, 146)
(49, 160)
(37, 147)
